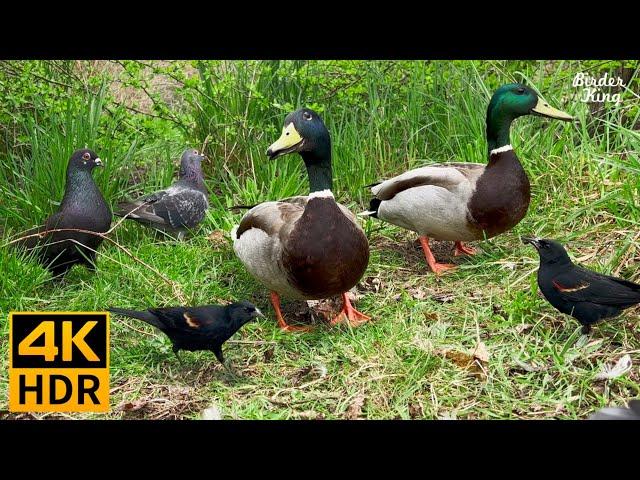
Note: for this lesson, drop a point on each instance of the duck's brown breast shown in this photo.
(325, 253)
(501, 197)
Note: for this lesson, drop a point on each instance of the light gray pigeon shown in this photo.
(83, 207)
(619, 413)
(180, 207)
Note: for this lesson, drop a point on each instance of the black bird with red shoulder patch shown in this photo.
(586, 295)
(197, 328)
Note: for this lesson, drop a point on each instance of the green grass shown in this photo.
(400, 365)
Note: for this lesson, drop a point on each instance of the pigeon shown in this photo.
(619, 413)
(197, 328)
(585, 295)
(178, 208)
(83, 207)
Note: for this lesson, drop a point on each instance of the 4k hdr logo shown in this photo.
(59, 362)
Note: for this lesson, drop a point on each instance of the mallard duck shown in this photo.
(466, 201)
(305, 247)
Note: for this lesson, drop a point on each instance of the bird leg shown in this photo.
(586, 329)
(462, 249)
(353, 316)
(176, 350)
(436, 267)
(275, 301)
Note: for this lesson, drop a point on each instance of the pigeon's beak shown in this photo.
(258, 313)
(98, 162)
(530, 240)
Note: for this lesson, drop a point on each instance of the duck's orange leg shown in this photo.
(437, 268)
(462, 249)
(353, 316)
(275, 301)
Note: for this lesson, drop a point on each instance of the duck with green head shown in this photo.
(466, 201)
(305, 247)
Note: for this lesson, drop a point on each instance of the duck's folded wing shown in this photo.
(448, 176)
(273, 217)
(583, 285)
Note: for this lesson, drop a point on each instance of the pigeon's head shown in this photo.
(85, 159)
(550, 251)
(243, 312)
(191, 161)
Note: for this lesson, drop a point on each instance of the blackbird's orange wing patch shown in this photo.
(575, 288)
(191, 321)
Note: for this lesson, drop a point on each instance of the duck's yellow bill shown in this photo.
(543, 108)
(289, 139)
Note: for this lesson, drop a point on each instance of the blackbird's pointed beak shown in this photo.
(533, 241)
(258, 313)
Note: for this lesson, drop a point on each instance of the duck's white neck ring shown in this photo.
(321, 194)
(502, 149)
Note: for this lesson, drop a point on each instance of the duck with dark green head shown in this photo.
(305, 247)
(466, 201)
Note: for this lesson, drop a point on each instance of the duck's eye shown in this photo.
(86, 156)
(521, 90)
(306, 116)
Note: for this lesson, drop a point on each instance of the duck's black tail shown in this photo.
(374, 204)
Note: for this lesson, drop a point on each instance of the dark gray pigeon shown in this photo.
(82, 207)
(619, 413)
(178, 208)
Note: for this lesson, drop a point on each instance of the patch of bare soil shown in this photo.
(158, 401)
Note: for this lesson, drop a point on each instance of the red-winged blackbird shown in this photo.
(619, 413)
(197, 328)
(585, 295)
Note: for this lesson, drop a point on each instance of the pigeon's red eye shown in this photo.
(86, 156)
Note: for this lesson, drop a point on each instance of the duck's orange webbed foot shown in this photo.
(275, 301)
(462, 249)
(353, 316)
(437, 268)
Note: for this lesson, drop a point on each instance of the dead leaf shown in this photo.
(371, 284)
(523, 327)
(268, 353)
(310, 415)
(218, 238)
(622, 366)
(211, 413)
(419, 293)
(443, 297)
(431, 316)
(415, 410)
(475, 362)
(355, 408)
(481, 353)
